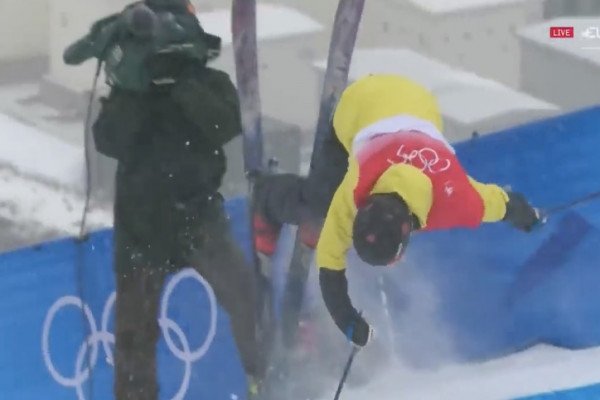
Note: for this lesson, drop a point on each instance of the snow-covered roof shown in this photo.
(463, 96)
(444, 6)
(32, 152)
(585, 45)
(273, 22)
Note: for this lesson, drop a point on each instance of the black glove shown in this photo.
(359, 331)
(334, 288)
(520, 213)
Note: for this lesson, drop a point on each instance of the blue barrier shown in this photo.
(43, 334)
(501, 290)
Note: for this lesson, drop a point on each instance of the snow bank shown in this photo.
(32, 152)
(540, 369)
(26, 202)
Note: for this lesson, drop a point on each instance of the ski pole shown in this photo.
(573, 203)
(355, 350)
(543, 214)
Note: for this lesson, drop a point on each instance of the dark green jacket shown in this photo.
(171, 139)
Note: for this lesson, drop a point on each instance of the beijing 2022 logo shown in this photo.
(102, 337)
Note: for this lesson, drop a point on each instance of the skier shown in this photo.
(401, 175)
(165, 120)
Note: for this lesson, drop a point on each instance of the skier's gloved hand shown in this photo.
(334, 288)
(520, 213)
(359, 331)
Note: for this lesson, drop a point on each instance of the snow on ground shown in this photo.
(538, 370)
(41, 181)
(34, 211)
(35, 153)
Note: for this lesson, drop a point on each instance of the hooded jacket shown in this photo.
(391, 128)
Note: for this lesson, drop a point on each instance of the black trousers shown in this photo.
(292, 199)
(153, 242)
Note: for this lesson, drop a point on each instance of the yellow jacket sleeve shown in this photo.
(494, 200)
(412, 185)
(336, 236)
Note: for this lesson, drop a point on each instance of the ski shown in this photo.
(341, 48)
(243, 29)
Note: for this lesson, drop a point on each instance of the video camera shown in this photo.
(146, 46)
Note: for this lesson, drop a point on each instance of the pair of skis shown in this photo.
(345, 29)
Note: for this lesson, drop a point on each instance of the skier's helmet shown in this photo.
(382, 228)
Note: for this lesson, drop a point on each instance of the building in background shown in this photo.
(24, 44)
(468, 103)
(288, 43)
(476, 35)
(562, 71)
(571, 8)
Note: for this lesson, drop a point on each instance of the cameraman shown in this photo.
(165, 120)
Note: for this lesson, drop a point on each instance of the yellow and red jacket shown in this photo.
(391, 128)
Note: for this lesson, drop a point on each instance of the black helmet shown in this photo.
(382, 228)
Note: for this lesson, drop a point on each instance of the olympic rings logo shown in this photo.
(426, 159)
(105, 338)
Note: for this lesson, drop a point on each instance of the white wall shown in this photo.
(23, 29)
(467, 101)
(566, 72)
(558, 77)
(288, 84)
(482, 40)
(70, 20)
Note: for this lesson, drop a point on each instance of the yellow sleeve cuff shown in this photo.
(494, 200)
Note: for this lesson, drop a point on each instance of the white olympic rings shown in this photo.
(106, 339)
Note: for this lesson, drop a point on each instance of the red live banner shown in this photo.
(562, 32)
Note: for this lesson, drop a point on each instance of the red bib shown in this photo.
(456, 203)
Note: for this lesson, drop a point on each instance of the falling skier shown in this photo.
(165, 120)
(387, 172)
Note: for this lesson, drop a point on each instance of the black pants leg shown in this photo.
(327, 172)
(142, 262)
(221, 262)
(140, 270)
(291, 199)
(136, 333)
